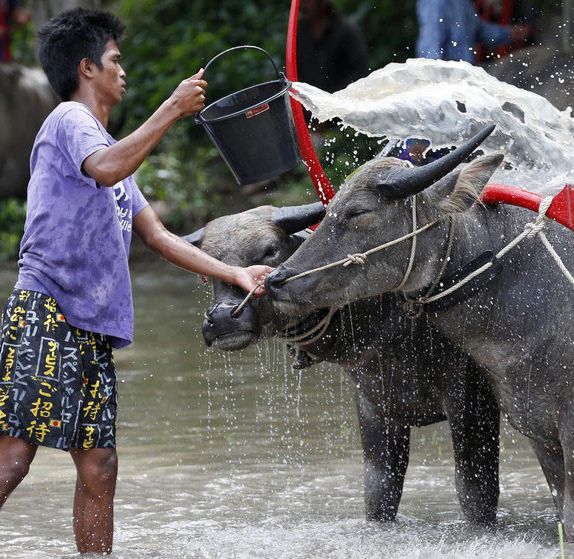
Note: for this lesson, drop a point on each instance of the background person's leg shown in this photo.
(16, 456)
(94, 498)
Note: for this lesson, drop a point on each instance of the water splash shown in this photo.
(446, 102)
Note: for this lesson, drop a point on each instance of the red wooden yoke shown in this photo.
(561, 209)
(320, 181)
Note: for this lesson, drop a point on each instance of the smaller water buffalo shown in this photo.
(406, 374)
(518, 325)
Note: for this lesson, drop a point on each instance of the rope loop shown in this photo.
(360, 259)
(534, 228)
(235, 312)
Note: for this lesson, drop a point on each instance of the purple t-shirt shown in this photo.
(77, 234)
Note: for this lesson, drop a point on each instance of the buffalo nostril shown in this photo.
(275, 280)
(236, 311)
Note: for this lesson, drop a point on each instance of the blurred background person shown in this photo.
(507, 12)
(451, 30)
(331, 50)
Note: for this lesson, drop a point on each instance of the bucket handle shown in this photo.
(243, 47)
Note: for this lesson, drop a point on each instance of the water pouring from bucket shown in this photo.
(253, 128)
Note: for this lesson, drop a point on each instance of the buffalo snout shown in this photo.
(230, 328)
(289, 297)
(275, 281)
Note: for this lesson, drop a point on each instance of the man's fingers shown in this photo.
(260, 290)
(198, 75)
(196, 83)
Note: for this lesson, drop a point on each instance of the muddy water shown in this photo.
(238, 457)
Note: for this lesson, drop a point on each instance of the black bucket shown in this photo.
(253, 129)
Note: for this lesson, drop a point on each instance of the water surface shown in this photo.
(236, 456)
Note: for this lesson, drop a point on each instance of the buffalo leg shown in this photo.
(551, 459)
(568, 471)
(474, 418)
(386, 457)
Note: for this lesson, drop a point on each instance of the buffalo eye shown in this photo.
(269, 253)
(357, 212)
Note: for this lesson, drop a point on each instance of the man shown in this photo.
(72, 301)
(450, 30)
(331, 52)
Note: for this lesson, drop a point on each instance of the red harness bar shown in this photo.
(561, 209)
(318, 177)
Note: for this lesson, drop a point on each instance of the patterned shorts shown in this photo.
(57, 383)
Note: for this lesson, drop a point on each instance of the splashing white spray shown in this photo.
(445, 103)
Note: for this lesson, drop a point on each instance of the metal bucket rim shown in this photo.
(199, 118)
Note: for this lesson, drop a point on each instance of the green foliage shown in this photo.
(170, 40)
(12, 217)
(22, 45)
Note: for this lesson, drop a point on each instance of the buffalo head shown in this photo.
(264, 235)
(373, 207)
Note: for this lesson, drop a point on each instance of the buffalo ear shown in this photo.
(296, 218)
(460, 189)
(196, 237)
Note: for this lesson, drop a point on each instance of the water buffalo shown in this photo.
(26, 98)
(406, 374)
(518, 325)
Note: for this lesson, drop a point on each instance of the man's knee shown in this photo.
(97, 469)
(12, 470)
(15, 458)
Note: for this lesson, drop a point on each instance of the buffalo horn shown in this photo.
(405, 182)
(296, 218)
(196, 237)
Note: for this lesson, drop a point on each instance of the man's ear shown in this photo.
(86, 67)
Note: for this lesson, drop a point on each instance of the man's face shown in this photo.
(110, 80)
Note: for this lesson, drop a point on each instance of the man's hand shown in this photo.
(189, 95)
(251, 277)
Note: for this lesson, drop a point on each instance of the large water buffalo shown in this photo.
(405, 372)
(517, 325)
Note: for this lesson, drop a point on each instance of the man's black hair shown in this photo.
(68, 38)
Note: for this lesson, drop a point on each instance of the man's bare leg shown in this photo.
(16, 456)
(94, 499)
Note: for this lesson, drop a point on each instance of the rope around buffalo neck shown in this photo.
(531, 230)
(413, 246)
(314, 333)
